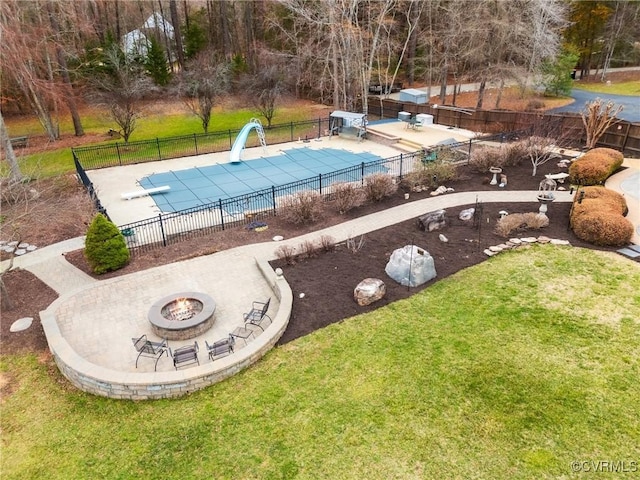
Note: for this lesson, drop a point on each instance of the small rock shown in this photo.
(278, 238)
(369, 290)
(467, 214)
(443, 238)
(450, 190)
(21, 324)
(561, 188)
(301, 295)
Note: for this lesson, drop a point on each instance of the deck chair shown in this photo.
(186, 355)
(147, 348)
(221, 348)
(257, 314)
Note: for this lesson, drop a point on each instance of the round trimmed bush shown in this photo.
(599, 217)
(595, 166)
(105, 247)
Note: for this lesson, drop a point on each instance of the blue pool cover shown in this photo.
(198, 186)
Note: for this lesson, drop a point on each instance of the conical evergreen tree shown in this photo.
(105, 247)
(156, 63)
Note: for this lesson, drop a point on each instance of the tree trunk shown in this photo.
(175, 19)
(64, 72)
(10, 155)
(483, 84)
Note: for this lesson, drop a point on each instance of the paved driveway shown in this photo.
(631, 104)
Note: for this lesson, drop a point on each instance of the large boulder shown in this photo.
(432, 221)
(411, 266)
(369, 290)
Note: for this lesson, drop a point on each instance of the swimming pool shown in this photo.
(199, 186)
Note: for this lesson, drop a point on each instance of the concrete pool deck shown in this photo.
(110, 183)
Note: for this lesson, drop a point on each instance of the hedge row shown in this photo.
(595, 166)
(597, 217)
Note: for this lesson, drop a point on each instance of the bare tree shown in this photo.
(121, 90)
(202, 84)
(597, 117)
(15, 175)
(265, 88)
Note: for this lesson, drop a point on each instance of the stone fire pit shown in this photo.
(182, 316)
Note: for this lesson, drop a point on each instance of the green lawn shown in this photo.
(622, 88)
(510, 369)
(60, 161)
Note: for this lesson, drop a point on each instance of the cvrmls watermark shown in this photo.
(611, 466)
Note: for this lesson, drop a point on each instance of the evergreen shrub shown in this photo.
(595, 166)
(105, 247)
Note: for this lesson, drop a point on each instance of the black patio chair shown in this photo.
(220, 348)
(257, 314)
(147, 348)
(186, 355)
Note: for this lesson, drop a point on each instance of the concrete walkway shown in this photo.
(90, 327)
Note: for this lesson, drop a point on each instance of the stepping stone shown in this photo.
(510, 244)
(9, 249)
(556, 241)
(529, 240)
(489, 253)
(515, 241)
(629, 252)
(635, 247)
(20, 251)
(278, 238)
(495, 249)
(23, 245)
(31, 248)
(21, 324)
(13, 244)
(3, 243)
(543, 239)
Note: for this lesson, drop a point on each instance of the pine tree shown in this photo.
(105, 247)
(156, 63)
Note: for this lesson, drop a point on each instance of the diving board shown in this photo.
(144, 192)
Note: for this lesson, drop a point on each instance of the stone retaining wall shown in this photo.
(144, 386)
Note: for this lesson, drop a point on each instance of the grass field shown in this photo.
(512, 369)
(155, 124)
(631, 88)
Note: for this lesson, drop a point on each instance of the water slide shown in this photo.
(241, 139)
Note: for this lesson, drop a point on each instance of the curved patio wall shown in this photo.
(105, 382)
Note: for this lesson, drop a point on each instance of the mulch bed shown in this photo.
(327, 280)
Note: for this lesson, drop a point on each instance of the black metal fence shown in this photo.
(171, 228)
(120, 153)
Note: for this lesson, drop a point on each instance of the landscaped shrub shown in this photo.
(483, 158)
(597, 216)
(506, 155)
(347, 196)
(595, 166)
(301, 207)
(327, 243)
(378, 186)
(105, 247)
(286, 253)
(509, 224)
(428, 175)
(614, 200)
(308, 249)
